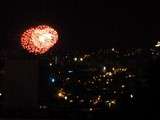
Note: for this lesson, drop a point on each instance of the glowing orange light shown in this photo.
(39, 40)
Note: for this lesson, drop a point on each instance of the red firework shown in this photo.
(39, 40)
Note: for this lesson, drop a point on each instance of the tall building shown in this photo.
(21, 78)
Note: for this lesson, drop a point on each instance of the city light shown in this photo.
(113, 68)
(43, 107)
(81, 59)
(81, 100)
(53, 80)
(114, 92)
(158, 44)
(113, 102)
(65, 97)
(104, 68)
(129, 76)
(131, 95)
(90, 109)
(75, 59)
(70, 71)
(110, 73)
(60, 94)
(50, 64)
(67, 78)
(107, 82)
(123, 86)
(96, 85)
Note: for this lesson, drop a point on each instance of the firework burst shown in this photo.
(38, 40)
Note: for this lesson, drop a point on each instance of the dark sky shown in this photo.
(83, 24)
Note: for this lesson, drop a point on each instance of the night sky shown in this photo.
(83, 24)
